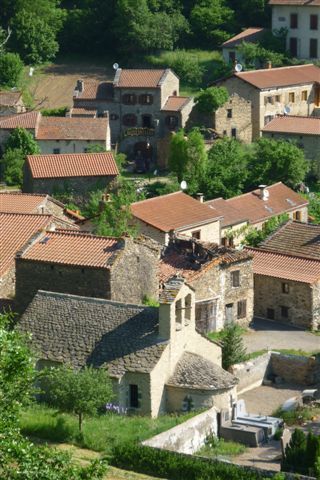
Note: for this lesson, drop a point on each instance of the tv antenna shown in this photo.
(286, 110)
(115, 66)
(183, 185)
(238, 67)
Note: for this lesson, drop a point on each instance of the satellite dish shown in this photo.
(115, 66)
(238, 67)
(31, 70)
(286, 110)
(183, 185)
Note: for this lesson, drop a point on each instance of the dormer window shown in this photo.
(129, 99)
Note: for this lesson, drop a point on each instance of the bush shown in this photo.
(11, 67)
(13, 161)
(185, 64)
(211, 99)
(54, 112)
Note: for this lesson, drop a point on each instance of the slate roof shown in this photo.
(173, 211)
(249, 35)
(307, 3)
(72, 128)
(295, 238)
(95, 90)
(287, 267)
(27, 120)
(15, 230)
(87, 331)
(75, 248)
(281, 200)
(231, 215)
(294, 125)
(9, 99)
(196, 372)
(175, 103)
(282, 76)
(139, 78)
(72, 165)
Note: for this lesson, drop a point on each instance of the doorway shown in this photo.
(147, 121)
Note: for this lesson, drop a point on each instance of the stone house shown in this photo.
(16, 229)
(255, 208)
(273, 91)
(78, 263)
(222, 279)
(74, 172)
(161, 217)
(11, 103)
(230, 47)
(301, 19)
(59, 134)
(155, 357)
(144, 106)
(287, 276)
(303, 131)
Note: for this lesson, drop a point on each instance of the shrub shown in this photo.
(11, 67)
(211, 99)
(54, 112)
(185, 64)
(233, 350)
(13, 161)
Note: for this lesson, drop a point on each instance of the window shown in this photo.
(129, 99)
(235, 278)
(187, 309)
(284, 312)
(313, 48)
(291, 97)
(282, 19)
(270, 313)
(171, 121)
(206, 315)
(268, 119)
(227, 241)
(146, 99)
(232, 57)
(146, 121)
(304, 95)
(134, 396)
(229, 313)
(242, 309)
(234, 132)
(270, 100)
(56, 151)
(196, 234)
(293, 20)
(285, 287)
(229, 113)
(313, 22)
(278, 98)
(293, 46)
(178, 315)
(129, 120)
(297, 216)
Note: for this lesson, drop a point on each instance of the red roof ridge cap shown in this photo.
(252, 191)
(79, 233)
(274, 68)
(282, 254)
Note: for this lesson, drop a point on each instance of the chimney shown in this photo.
(264, 194)
(269, 64)
(105, 198)
(80, 85)
(200, 197)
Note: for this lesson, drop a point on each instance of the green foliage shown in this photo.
(211, 99)
(95, 148)
(150, 302)
(254, 237)
(215, 447)
(157, 188)
(255, 55)
(298, 416)
(11, 67)
(178, 155)
(76, 391)
(23, 140)
(121, 160)
(54, 112)
(208, 20)
(314, 206)
(233, 350)
(302, 453)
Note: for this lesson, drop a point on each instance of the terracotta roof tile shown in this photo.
(69, 128)
(231, 215)
(95, 90)
(27, 120)
(16, 202)
(83, 112)
(142, 78)
(175, 103)
(294, 124)
(250, 35)
(173, 211)
(72, 165)
(281, 77)
(288, 267)
(307, 3)
(281, 200)
(15, 230)
(73, 248)
(8, 98)
(295, 238)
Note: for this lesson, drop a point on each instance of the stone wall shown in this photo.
(7, 283)
(72, 146)
(201, 399)
(252, 373)
(295, 369)
(240, 120)
(188, 437)
(209, 232)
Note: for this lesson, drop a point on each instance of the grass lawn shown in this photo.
(221, 448)
(99, 433)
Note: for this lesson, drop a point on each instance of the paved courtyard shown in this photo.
(264, 334)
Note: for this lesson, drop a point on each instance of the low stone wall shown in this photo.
(188, 437)
(295, 369)
(252, 373)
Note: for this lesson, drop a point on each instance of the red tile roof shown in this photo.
(72, 165)
(71, 248)
(15, 230)
(278, 265)
(83, 112)
(231, 215)
(294, 124)
(68, 128)
(9, 99)
(95, 90)
(250, 35)
(141, 78)
(307, 3)
(16, 202)
(175, 103)
(281, 200)
(295, 238)
(27, 120)
(281, 77)
(173, 212)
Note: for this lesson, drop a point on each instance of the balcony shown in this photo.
(139, 132)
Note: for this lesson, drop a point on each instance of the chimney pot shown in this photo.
(264, 194)
(200, 197)
(80, 85)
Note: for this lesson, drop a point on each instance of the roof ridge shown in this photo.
(155, 198)
(57, 155)
(274, 68)
(79, 233)
(50, 215)
(252, 191)
(283, 254)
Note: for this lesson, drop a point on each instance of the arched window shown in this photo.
(129, 120)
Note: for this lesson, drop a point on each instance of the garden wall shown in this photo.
(252, 373)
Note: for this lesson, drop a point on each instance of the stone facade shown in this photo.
(234, 119)
(132, 276)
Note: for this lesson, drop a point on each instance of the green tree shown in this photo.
(277, 161)
(254, 54)
(11, 67)
(294, 457)
(233, 350)
(196, 161)
(178, 155)
(23, 140)
(211, 99)
(80, 392)
(13, 162)
(208, 20)
(254, 237)
(312, 456)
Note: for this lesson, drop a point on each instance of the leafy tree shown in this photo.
(178, 155)
(251, 12)
(13, 161)
(11, 67)
(254, 237)
(233, 350)
(95, 148)
(23, 140)
(208, 20)
(211, 99)
(277, 161)
(254, 54)
(76, 391)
